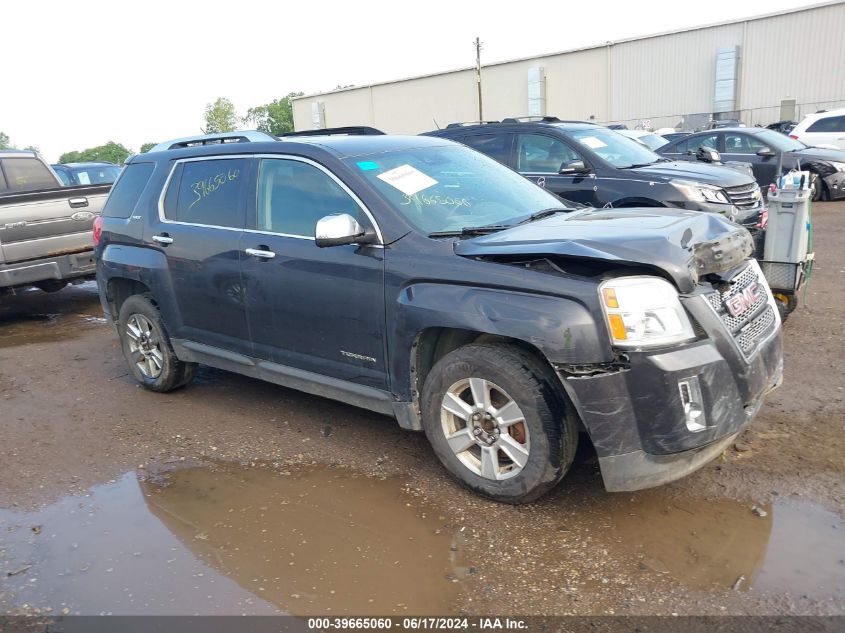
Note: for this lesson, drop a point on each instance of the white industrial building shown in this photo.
(760, 70)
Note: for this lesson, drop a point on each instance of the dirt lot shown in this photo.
(237, 496)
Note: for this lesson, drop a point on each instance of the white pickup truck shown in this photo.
(45, 228)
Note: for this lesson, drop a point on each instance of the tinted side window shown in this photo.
(127, 190)
(692, 144)
(293, 195)
(742, 144)
(543, 154)
(829, 124)
(27, 174)
(494, 145)
(209, 193)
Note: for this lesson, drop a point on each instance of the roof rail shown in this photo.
(244, 136)
(465, 123)
(532, 119)
(349, 130)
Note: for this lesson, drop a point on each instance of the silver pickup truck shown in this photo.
(45, 228)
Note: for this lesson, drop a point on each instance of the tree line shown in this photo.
(275, 118)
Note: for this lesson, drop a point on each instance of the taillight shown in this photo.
(793, 136)
(98, 229)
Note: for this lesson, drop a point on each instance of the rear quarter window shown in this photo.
(127, 190)
(828, 124)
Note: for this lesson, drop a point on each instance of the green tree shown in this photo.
(32, 148)
(275, 117)
(146, 147)
(220, 116)
(111, 152)
(4, 141)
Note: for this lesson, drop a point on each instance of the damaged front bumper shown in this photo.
(662, 414)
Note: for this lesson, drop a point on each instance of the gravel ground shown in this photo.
(72, 419)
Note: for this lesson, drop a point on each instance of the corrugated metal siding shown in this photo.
(797, 55)
(667, 75)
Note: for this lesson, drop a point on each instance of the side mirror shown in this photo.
(339, 229)
(708, 155)
(765, 151)
(573, 167)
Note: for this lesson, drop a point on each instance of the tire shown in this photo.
(818, 188)
(147, 348)
(786, 305)
(51, 285)
(547, 435)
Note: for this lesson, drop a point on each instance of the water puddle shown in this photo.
(234, 540)
(37, 317)
(788, 547)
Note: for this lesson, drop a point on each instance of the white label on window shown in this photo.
(83, 178)
(407, 179)
(592, 141)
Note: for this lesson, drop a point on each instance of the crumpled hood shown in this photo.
(674, 241)
(717, 175)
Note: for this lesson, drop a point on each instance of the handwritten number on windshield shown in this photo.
(428, 200)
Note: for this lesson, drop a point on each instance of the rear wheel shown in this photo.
(497, 422)
(147, 348)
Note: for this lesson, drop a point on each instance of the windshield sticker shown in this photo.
(367, 165)
(83, 178)
(592, 141)
(407, 179)
(446, 201)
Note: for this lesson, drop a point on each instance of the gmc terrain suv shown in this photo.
(599, 167)
(420, 279)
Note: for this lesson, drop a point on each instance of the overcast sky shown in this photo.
(78, 74)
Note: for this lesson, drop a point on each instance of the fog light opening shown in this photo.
(693, 404)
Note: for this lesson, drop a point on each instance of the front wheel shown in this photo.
(497, 422)
(817, 186)
(147, 349)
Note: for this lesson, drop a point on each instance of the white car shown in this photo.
(649, 139)
(822, 129)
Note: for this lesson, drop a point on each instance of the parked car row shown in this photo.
(599, 167)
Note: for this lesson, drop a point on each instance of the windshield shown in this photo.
(451, 187)
(95, 175)
(652, 141)
(620, 151)
(778, 141)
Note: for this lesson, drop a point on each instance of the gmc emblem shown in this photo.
(741, 301)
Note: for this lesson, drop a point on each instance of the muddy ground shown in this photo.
(237, 496)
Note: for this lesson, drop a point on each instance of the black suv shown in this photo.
(598, 167)
(420, 279)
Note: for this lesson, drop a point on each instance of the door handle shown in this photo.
(163, 239)
(76, 203)
(261, 252)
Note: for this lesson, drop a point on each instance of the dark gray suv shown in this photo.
(419, 279)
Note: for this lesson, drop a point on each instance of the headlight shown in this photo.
(837, 166)
(644, 312)
(699, 192)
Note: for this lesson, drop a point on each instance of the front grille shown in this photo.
(745, 197)
(751, 333)
(755, 320)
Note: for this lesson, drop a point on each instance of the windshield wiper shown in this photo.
(539, 215)
(641, 164)
(472, 230)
